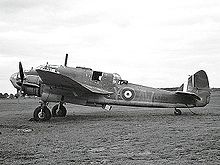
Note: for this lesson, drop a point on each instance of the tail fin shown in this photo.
(199, 85)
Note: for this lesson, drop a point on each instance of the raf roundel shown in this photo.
(127, 94)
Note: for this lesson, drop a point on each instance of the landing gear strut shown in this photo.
(177, 112)
(59, 110)
(42, 112)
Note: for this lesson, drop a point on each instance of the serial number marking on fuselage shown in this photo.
(159, 97)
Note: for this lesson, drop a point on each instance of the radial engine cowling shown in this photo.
(31, 86)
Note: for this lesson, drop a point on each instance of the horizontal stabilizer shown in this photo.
(188, 94)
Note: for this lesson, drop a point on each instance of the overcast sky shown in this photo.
(155, 43)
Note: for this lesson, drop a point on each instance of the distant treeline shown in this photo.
(215, 89)
(7, 96)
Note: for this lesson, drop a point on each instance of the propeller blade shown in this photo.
(21, 71)
(17, 94)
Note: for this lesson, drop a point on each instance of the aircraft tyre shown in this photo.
(42, 113)
(61, 112)
(177, 112)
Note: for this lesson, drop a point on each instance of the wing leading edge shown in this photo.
(56, 79)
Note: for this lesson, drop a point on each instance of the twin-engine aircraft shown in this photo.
(84, 86)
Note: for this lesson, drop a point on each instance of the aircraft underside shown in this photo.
(43, 113)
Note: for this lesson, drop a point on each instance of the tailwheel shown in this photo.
(177, 112)
(42, 113)
(59, 111)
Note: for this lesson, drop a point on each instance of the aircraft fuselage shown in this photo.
(123, 93)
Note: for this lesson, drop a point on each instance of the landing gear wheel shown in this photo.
(177, 112)
(42, 113)
(59, 111)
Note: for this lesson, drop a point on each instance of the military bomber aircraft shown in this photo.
(84, 86)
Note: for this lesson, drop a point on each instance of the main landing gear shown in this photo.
(177, 112)
(42, 112)
(59, 110)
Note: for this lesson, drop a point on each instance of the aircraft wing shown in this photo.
(56, 79)
(188, 94)
(96, 90)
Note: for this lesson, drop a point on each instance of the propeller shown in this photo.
(20, 83)
(25, 81)
(21, 72)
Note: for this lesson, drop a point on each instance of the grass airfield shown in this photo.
(124, 135)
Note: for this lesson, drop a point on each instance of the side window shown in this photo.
(121, 82)
(96, 76)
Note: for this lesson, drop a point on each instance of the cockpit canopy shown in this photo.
(52, 68)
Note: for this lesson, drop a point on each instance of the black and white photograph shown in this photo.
(109, 82)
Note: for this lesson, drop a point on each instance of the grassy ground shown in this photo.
(124, 135)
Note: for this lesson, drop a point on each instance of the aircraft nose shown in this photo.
(14, 80)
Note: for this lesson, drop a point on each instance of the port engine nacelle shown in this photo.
(32, 86)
